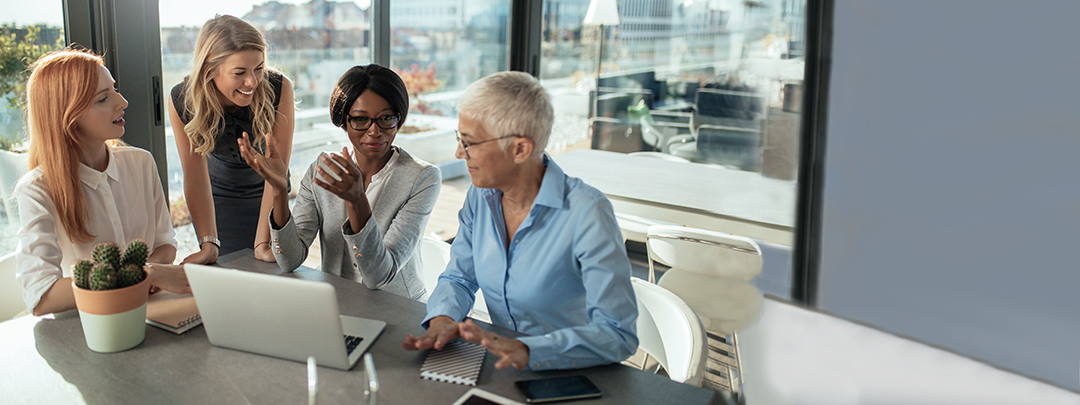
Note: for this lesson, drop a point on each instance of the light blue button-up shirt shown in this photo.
(564, 279)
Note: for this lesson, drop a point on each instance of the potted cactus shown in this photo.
(110, 293)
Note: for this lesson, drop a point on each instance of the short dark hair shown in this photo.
(379, 79)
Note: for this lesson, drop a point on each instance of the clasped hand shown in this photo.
(272, 168)
(441, 330)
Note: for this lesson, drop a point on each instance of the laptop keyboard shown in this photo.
(351, 342)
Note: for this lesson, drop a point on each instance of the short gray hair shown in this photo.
(510, 103)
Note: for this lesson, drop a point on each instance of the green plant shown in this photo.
(135, 253)
(81, 272)
(15, 57)
(107, 252)
(111, 269)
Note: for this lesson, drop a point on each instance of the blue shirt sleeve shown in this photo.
(611, 334)
(456, 291)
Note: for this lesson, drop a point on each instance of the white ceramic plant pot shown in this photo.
(113, 320)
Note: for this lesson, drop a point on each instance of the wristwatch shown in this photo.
(210, 239)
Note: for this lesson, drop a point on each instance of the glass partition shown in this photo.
(711, 89)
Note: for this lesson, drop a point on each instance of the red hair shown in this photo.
(60, 89)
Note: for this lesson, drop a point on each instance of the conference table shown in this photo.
(45, 360)
(686, 193)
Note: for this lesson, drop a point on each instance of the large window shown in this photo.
(28, 31)
(440, 47)
(715, 85)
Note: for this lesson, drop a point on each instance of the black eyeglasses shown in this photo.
(363, 123)
(466, 145)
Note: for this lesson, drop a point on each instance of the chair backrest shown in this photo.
(12, 167)
(434, 256)
(669, 331)
(704, 252)
(11, 303)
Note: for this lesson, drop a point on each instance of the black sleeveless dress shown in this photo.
(236, 187)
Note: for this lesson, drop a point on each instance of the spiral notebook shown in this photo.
(173, 312)
(459, 362)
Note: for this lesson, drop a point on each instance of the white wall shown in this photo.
(951, 207)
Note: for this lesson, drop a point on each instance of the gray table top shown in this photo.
(46, 360)
(693, 187)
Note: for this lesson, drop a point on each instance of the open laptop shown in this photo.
(278, 316)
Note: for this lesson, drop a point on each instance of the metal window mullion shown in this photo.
(380, 32)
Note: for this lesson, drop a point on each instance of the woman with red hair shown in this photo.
(84, 187)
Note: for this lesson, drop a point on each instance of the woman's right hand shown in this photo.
(271, 167)
(206, 255)
(170, 278)
(441, 330)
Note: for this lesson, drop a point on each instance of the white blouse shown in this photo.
(378, 179)
(123, 203)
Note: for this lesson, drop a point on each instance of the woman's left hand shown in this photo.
(263, 253)
(351, 186)
(511, 352)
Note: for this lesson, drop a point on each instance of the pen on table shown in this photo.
(372, 390)
(312, 380)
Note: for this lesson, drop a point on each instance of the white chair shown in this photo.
(11, 303)
(670, 332)
(634, 227)
(711, 271)
(434, 256)
(12, 166)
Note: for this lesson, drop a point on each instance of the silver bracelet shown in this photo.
(210, 239)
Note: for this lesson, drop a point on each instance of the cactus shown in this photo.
(81, 272)
(107, 252)
(129, 275)
(110, 269)
(103, 277)
(135, 253)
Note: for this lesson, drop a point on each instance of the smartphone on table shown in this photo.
(558, 389)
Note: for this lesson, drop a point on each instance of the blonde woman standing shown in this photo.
(230, 92)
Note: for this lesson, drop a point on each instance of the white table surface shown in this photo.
(797, 356)
(693, 194)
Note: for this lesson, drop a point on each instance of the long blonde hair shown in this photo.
(219, 38)
(60, 89)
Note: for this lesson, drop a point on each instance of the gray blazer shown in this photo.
(385, 254)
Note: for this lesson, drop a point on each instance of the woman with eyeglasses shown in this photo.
(370, 204)
(543, 246)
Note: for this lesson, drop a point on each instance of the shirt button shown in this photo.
(573, 364)
(538, 364)
(548, 364)
(354, 247)
(511, 323)
(358, 255)
(517, 241)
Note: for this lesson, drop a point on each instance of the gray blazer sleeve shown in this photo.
(290, 242)
(379, 258)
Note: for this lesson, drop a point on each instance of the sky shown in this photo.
(173, 13)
